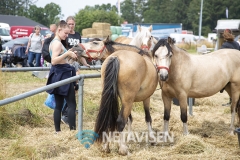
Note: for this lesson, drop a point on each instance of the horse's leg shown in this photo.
(121, 122)
(167, 110)
(130, 123)
(148, 119)
(183, 108)
(233, 91)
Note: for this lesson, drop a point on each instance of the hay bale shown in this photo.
(114, 36)
(101, 26)
(119, 30)
(113, 29)
(87, 31)
(105, 33)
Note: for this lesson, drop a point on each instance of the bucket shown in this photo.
(238, 133)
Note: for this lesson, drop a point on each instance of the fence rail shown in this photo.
(80, 77)
(23, 69)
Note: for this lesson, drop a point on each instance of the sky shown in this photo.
(71, 7)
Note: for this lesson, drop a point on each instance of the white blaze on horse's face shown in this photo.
(163, 60)
(143, 38)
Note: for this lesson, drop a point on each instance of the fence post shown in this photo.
(80, 106)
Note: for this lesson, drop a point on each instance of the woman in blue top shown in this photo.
(62, 70)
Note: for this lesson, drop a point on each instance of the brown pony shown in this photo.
(184, 75)
(127, 73)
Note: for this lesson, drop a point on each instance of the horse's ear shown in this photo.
(106, 40)
(170, 40)
(139, 28)
(150, 28)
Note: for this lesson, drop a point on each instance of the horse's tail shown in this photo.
(109, 107)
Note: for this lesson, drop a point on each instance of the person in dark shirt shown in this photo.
(72, 39)
(229, 40)
(229, 44)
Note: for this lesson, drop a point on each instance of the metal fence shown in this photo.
(80, 77)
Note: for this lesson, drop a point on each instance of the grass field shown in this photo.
(34, 138)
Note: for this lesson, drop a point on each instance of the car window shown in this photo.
(4, 32)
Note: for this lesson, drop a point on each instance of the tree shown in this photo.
(104, 13)
(128, 13)
(52, 13)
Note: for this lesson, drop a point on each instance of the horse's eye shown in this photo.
(170, 55)
(155, 56)
(95, 42)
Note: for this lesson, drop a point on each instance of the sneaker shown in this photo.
(64, 119)
(227, 104)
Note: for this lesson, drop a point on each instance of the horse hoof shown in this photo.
(123, 151)
(105, 148)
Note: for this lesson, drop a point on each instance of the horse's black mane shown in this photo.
(163, 42)
(109, 45)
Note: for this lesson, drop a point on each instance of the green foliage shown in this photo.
(134, 11)
(88, 15)
(51, 13)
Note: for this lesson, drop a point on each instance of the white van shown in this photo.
(179, 37)
(6, 26)
(5, 32)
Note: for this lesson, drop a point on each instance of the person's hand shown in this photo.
(72, 54)
(26, 51)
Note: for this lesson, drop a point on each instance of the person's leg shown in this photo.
(64, 118)
(57, 111)
(65, 109)
(30, 58)
(38, 59)
(71, 101)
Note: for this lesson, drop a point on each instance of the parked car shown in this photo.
(25, 31)
(23, 41)
(5, 36)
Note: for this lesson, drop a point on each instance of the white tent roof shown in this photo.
(228, 24)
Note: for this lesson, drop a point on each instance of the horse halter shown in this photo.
(163, 67)
(143, 46)
(91, 50)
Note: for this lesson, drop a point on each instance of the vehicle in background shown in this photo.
(179, 38)
(160, 30)
(22, 41)
(5, 36)
(25, 31)
(212, 37)
(6, 26)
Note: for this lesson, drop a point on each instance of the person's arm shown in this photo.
(29, 43)
(56, 50)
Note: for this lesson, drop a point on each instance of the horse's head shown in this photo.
(143, 38)
(95, 49)
(162, 53)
